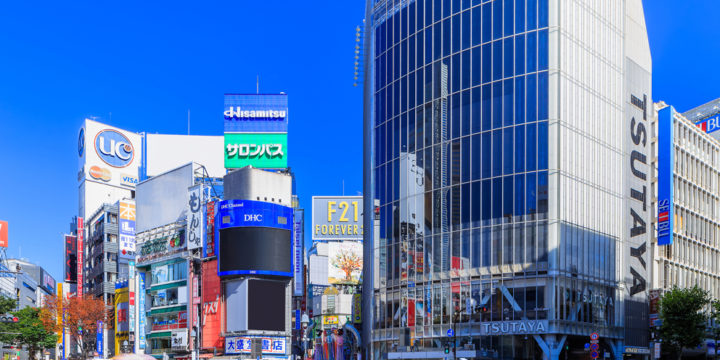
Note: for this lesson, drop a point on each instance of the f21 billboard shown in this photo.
(337, 218)
(255, 238)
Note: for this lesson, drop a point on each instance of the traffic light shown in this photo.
(7, 318)
(447, 348)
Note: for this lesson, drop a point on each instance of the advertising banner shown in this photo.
(127, 228)
(99, 339)
(710, 124)
(179, 339)
(195, 218)
(112, 155)
(345, 262)
(141, 305)
(235, 345)
(665, 185)
(637, 182)
(209, 243)
(256, 113)
(47, 282)
(70, 258)
(80, 251)
(121, 314)
(298, 251)
(357, 309)
(337, 218)
(263, 151)
(211, 320)
(3, 234)
(245, 213)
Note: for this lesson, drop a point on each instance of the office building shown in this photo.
(507, 150)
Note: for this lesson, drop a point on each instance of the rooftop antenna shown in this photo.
(188, 121)
(343, 187)
(257, 84)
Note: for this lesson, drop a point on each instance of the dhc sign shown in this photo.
(114, 148)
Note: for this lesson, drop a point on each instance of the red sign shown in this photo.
(70, 258)
(210, 236)
(212, 307)
(80, 251)
(3, 234)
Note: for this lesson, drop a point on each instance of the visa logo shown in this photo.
(126, 179)
(710, 125)
(253, 217)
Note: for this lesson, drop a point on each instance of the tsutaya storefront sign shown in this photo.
(514, 327)
(264, 151)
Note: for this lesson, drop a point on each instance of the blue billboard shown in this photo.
(256, 113)
(710, 124)
(666, 161)
(239, 213)
(254, 237)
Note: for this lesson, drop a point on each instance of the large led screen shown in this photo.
(255, 250)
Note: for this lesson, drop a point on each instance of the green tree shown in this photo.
(30, 331)
(683, 318)
(715, 326)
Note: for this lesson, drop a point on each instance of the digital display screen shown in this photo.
(255, 250)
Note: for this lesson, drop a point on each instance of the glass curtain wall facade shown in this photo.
(468, 182)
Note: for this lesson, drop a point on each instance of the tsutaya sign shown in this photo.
(514, 327)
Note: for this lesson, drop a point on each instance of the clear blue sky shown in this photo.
(148, 64)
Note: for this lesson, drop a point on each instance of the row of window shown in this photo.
(480, 203)
(697, 170)
(461, 72)
(453, 254)
(690, 252)
(516, 55)
(169, 272)
(684, 277)
(479, 24)
(439, 304)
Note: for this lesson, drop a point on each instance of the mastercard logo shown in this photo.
(99, 173)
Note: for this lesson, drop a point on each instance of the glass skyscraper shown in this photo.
(507, 165)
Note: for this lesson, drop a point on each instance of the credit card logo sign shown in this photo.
(99, 173)
(114, 148)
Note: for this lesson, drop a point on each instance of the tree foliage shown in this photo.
(30, 331)
(81, 316)
(683, 318)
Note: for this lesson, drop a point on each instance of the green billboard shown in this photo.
(264, 151)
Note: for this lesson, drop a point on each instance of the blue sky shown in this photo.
(141, 66)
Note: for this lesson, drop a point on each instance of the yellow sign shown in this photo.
(330, 320)
(60, 311)
(121, 317)
(357, 308)
(127, 211)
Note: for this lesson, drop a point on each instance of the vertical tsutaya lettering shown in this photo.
(639, 196)
(638, 253)
(638, 135)
(638, 156)
(638, 282)
(638, 224)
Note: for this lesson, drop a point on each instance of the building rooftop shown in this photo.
(703, 111)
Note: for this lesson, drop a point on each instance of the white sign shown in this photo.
(514, 327)
(237, 113)
(195, 218)
(179, 339)
(243, 345)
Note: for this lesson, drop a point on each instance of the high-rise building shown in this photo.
(507, 160)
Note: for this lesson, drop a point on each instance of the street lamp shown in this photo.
(305, 320)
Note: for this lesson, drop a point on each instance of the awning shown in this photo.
(167, 310)
(159, 334)
(169, 285)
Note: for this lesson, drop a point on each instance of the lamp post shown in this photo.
(305, 320)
